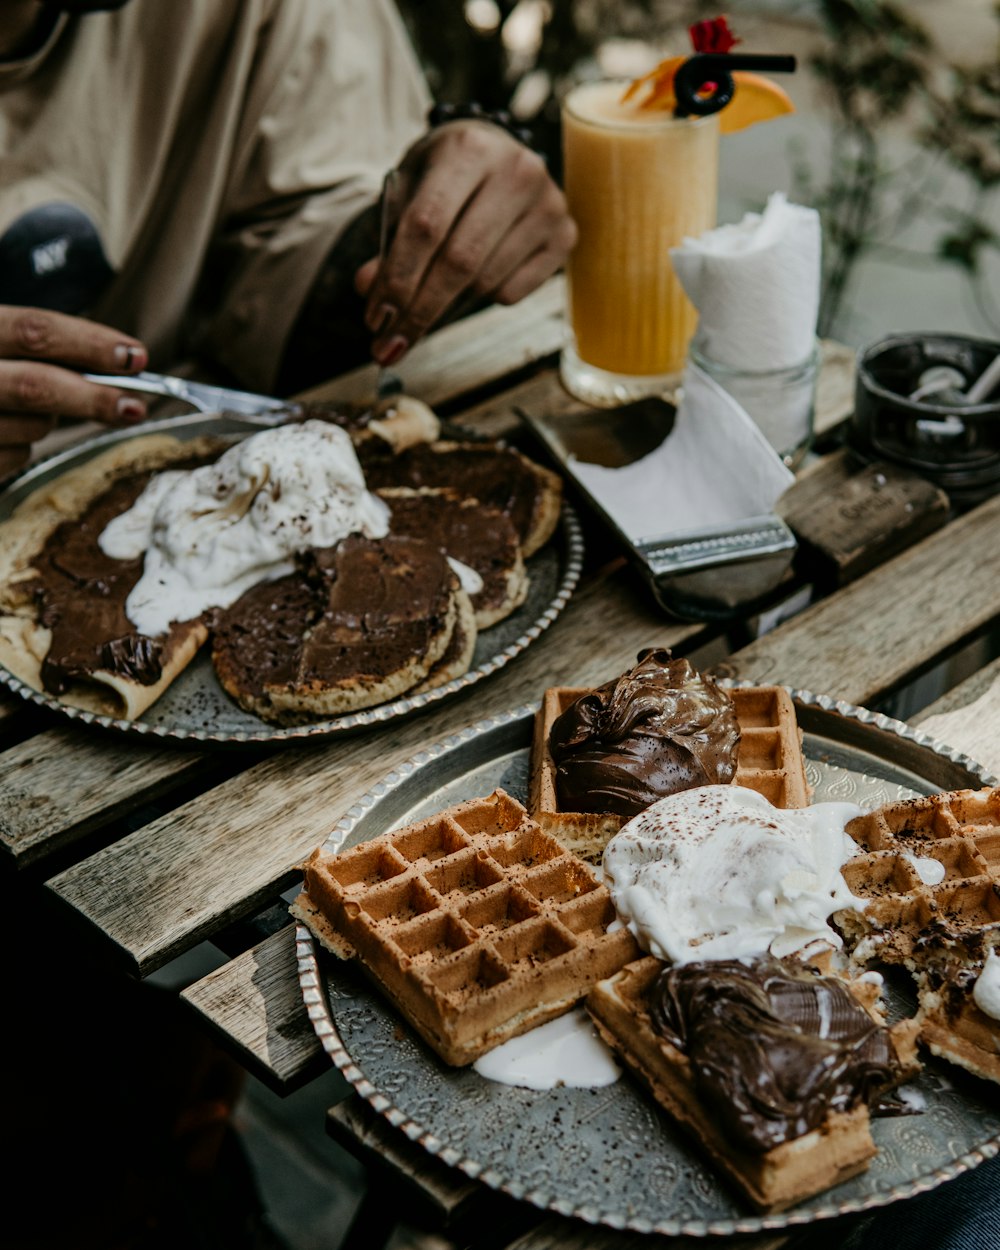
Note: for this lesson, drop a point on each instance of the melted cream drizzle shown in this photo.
(565, 1051)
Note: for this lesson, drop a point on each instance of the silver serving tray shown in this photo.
(196, 708)
(608, 1156)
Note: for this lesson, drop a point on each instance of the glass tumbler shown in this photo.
(637, 182)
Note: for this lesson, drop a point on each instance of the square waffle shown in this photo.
(770, 1180)
(475, 923)
(944, 932)
(770, 761)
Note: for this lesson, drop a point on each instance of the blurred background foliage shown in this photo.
(878, 71)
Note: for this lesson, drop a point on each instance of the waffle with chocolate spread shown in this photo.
(929, 873)
(769, 1067)
(768, 759)
(474, 923)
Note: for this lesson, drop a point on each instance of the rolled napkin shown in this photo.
(756, 287)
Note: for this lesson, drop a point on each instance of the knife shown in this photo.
(387, 382)
(200, 395)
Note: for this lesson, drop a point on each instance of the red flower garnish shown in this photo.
(712, 36)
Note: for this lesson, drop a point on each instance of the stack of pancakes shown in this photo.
(352, 626)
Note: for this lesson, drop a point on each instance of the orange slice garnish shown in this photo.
(756, 99)
(660, 81)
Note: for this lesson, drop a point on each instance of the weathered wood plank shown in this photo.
(967, 717)
(478, 350)
(442, 1190)
(179, 879)
(850, 519)
(57, 786)
(875, 634)
(255, 1005)
(554, 1233)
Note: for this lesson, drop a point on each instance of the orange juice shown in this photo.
(637, 183)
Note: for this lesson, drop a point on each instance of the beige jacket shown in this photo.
(218, 147)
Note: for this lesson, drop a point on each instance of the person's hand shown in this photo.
(479, 218)
(39, 351)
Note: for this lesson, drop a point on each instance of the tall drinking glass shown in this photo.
(637, 182)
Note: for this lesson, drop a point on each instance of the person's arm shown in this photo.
(40, 353)
(329, 335)
(479, 220)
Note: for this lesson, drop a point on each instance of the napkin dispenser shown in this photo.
(709, 572)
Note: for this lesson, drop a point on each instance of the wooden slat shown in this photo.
(474, 352)
(255, 1005)
(443, 1191)
(967, 718)
(60, 784)
(877, 633)
(178, 880)
(554, 1233)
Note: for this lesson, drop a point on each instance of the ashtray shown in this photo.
(915, 404)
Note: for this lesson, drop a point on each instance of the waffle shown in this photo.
(943, 933)
(772, 1179)
(770, 761)
(474, 923)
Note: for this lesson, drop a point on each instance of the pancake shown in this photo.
(497, 475)
(355, 625)
(63, 628)
(481, 537)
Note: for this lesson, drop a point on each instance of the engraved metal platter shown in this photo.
(196, 708)
(609, 1156)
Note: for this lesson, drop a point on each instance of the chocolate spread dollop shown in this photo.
(659, 728)
(774, 1046)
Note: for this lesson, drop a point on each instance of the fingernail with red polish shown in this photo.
(130, 358)
(383, 317)
(395, 349)
(130, 409)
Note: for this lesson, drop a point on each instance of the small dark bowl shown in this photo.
(926, 434)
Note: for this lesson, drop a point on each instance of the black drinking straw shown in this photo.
(714, 68)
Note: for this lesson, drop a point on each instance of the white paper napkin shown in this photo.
(756, 286)
(714, 467)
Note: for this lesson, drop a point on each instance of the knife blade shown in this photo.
(200, 395)
(387, 382)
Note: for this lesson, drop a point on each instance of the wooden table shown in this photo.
(150, 850)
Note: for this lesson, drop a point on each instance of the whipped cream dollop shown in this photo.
(565, 1051)
(717, 872)
(986, 991)
(211, 533)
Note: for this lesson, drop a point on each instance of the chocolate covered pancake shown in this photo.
(355, 625)
(480, 537)
(498, 476)
(63, 627)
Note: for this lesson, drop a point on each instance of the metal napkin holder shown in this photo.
(715, 573)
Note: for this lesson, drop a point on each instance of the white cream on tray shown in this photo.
(562, 1052)
(211, 533)
(717, 872)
